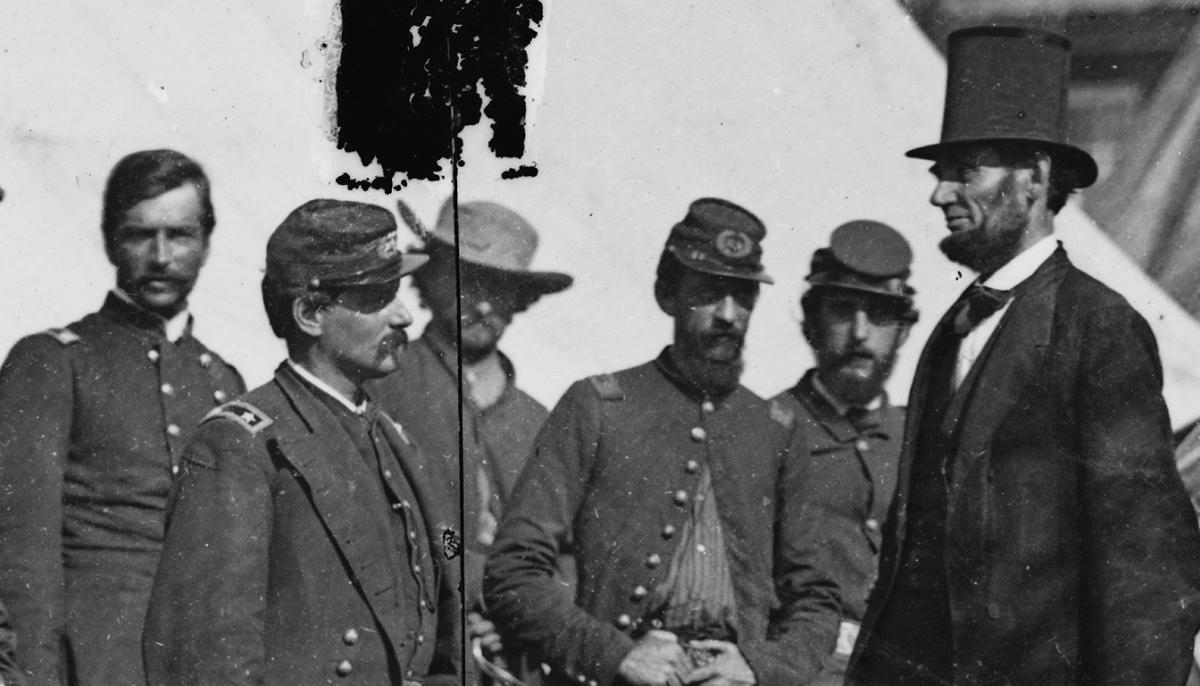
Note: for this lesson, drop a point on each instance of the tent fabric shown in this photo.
(799, 111)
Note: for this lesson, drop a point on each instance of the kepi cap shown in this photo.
(865, 256)
(721, 238)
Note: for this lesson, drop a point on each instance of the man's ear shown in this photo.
(308, 315)
(1039, 178)
(666, 300)
(809, 328)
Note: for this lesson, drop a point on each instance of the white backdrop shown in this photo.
(799, 111)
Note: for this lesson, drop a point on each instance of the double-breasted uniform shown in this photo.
(291, 559)
(93, 419)
(1070, 554)
(616, 466)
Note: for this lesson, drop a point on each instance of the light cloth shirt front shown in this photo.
(1005, 278)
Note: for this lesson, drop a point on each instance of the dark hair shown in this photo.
(667, 275)
(277, 301)
(148, 174)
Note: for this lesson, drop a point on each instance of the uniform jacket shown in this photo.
(93, 419)
(1071, 555)
(614, 466)
(853, 476)
(277, 568)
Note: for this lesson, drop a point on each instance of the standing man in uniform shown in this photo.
(857, 314)
(1039, 533)
(475, 299)
(92, 422)
(696, 562)
(307, 541)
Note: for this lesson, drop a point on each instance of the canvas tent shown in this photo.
(799, 111)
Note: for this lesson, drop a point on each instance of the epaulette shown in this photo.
(249, 416)
(607, 386)
(63, 335)
(781, 414)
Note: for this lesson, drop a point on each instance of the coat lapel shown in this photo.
(330, 467)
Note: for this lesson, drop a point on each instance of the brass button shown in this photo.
(581, 678)
(174, 469)
(862, 445)
(351, 636)
(699, 434)
(417, 569)
(668, 531)
(639, 592)
(387, 473)
(873, 524)
(691, 467)
(412, 535)
(220, 396)
(653, 561)
(205, 360)
(681, 498)
(656, 624)
(707, 406)
(624, 621)
(700, 548)
(420, 639)
(173, 430)
(153, 355)
(344, 668)
(167, 389)
(397, 506)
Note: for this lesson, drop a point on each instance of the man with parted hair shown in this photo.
(697, 557)
(93, 417)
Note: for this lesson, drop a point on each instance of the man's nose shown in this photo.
(727, 310)
(398, 316)
(162, 248)
(944, 193)
(862, 325)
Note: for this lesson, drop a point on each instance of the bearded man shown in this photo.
(1039, 533)
(697, 561)
(857, 314)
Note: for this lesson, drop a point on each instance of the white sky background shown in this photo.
(799, 111)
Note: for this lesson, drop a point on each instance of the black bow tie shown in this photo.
(976, 305)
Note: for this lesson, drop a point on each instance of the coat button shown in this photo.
(993, 610)
(350, 637)
(624, 621)
(668, 531)
(581, 679)
(656, 624)
(420, 639)
(699, 434)
(153, 355)
(173, 430)
(205, 360)
(167, 389)
(174, 469)
(872, 524)
(387, 473)
(653, 561)
(639, 592)
(681, 498)
(862, 445)
(220, 396)
(707, 406)
(691, 467)
(344, 668)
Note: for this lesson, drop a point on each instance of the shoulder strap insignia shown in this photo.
(63, 335)
(249, 416)
(607, 386)
(781, 414)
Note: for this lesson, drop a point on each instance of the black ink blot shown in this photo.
(451, 543)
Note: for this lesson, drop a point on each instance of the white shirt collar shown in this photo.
(838, 406)
(1023, 265)
(173, 327)
(308, 376)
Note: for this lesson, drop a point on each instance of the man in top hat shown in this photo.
(307, 541)
(696, 561)
(93, 418)
(1039, 533)
(857, 314)
(475, 299)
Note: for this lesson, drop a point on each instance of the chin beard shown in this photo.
(714, 378)
(853, 389)
(986, 248)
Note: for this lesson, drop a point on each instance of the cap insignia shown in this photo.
(733, 244)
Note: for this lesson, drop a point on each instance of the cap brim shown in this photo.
(759, 276)
(1079, 159)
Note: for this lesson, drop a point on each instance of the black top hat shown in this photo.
(721, 238)
(1009, 85)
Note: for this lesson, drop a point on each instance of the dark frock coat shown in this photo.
(1072, 555)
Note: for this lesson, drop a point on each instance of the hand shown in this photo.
(657, 659)
(485, 631)
(727, 668)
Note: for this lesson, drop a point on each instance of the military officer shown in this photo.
(307, 541)
(696, 563)
(473, 299)
(92, 422)
(857, 314)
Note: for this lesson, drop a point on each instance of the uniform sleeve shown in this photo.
(36, 408)
(205, 620)
(804, 628)
(523, 596)
(1141, 547)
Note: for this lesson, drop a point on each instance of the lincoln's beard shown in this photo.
(987, 247)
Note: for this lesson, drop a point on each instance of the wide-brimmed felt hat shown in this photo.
(865, 256)
(1008, 85)
(337, 243)
(721, 238)
(496, 238)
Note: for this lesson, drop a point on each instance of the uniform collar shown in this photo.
(312, 380)
(821, 407)
(836, 403)
(122, 306)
